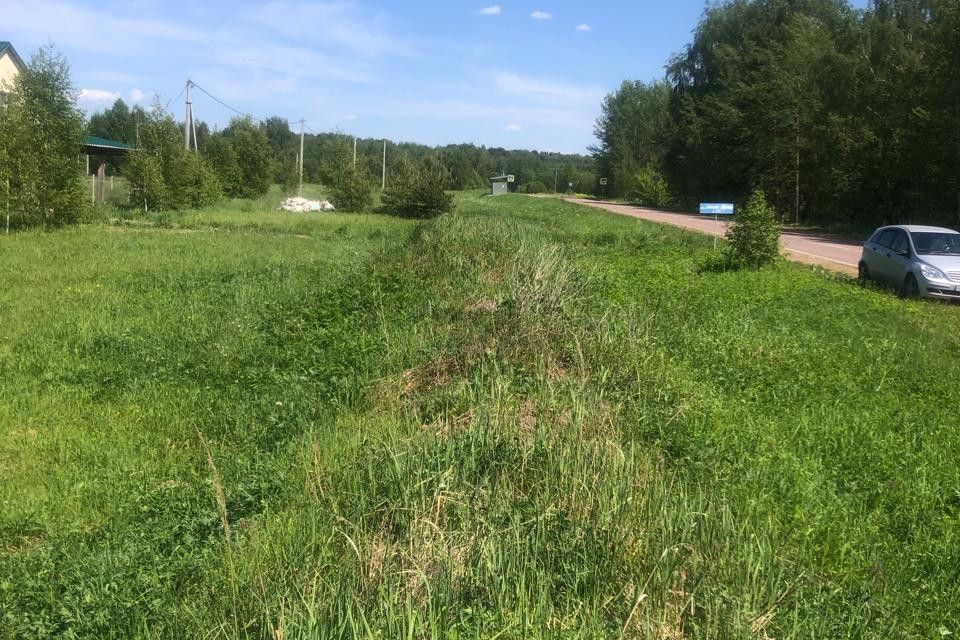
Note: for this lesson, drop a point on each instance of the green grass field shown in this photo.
(522, 419)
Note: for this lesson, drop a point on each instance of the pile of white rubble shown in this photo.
(297, 204)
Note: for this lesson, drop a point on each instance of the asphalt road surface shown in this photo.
(829, 252)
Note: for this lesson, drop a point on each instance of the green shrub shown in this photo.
(417, 193)
(164, 175)
(291, 182)
(754, 235)
(145, 176)
(252, 151)
(353, 193)
(650, 188)
(203, 185)
(536, 187)
(223, 157)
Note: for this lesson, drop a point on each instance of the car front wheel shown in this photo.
(910, 289)
(863, 274)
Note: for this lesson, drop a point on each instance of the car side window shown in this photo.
(900, 242)
(885, 238)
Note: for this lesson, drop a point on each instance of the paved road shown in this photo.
(830, 252)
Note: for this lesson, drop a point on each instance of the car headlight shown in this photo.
(932, 273)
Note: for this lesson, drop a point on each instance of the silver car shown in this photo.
(920, 261)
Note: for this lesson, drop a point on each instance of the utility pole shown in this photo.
(187, 119)
(193, 128)
(383, 183)
(300, 192)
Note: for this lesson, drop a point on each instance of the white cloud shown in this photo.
(333, 40)
(112, 77)
(584, 28)
(581, 120)
(350, 116)
(90, 30)
(295, 58)
(542, 90)
(329, 25)
(221, 81)
(97, 96)
(290, 62)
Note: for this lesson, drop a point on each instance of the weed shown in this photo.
(521, 419)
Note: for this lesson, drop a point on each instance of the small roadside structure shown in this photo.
(102, 150)
(499, 185)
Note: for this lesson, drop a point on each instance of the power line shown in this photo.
(237, 111)
(172, 100)
(224, 104)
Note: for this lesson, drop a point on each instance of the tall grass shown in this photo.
(524, 419)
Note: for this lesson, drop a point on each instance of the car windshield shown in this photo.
(935, 243)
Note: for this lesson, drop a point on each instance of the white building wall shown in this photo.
(8, 71)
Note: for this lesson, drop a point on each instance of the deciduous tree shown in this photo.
(41, 133)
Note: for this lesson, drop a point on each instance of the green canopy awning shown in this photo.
(94, 145)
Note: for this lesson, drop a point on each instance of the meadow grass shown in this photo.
(522, 419)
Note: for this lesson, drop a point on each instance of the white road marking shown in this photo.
(817, 255)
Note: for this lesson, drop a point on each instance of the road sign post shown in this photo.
(716, 209)
(603, 188)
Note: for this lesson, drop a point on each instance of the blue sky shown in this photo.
(515, 74)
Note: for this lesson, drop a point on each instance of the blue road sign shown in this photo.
(716, 209)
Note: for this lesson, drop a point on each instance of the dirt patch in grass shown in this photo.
(483, 305)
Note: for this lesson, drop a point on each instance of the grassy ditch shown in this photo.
(523, 419)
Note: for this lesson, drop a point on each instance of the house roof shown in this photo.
(6, 47)
(96, 144)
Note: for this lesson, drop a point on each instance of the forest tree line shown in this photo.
(248, 156)
(841, 116)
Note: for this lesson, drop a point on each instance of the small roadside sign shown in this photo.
(511, 178)
(716, 209)
(603, 181)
